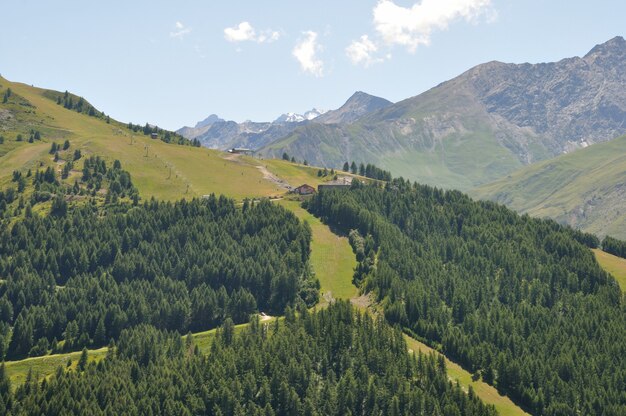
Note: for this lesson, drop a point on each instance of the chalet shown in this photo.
(240, 150)
(154, 136)
(341, 183)
(304, 190)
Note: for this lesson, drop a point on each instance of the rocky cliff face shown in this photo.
(483, 124)
(570, 103)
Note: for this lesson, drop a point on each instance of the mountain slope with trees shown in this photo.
(519, 301)
(83, 275)
(332, 362)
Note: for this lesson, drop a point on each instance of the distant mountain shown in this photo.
(216, 133)
(254, 135)
(585, 189)
(200, 127)
(481, 125)
(356, 107)
(298, 118)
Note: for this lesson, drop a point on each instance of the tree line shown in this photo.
(614, 246)
(332, 362)
(368, 170)
(521, 302)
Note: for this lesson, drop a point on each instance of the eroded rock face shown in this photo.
(575, 100)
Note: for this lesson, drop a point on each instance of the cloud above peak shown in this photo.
(245, 32)
(306, 51)
(413, 26)
(363, 51)
(180, 31)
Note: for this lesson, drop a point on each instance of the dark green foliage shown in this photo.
(333, 362)
(614, 246)
(520, 300)
(6, 96)
(96, 173)
(183, 266)
(59, 207)
(77, 154)
(285, 156)
(53, 148)
(66, 145)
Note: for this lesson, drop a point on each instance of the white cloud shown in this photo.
(413, 26)
(306, 51)
(363, 52)
(244, 31)
(181, 31)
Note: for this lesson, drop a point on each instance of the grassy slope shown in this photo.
(332, 258)
(487, 393)
(616, 266)
(205, 171)
(46, 365)
(585, 189)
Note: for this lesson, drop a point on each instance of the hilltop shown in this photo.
(585, 189)
(162, 170)
(482, 125)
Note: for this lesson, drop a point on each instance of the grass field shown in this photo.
(46, 365)
(616, 266)
(487, 393)
(331, 256)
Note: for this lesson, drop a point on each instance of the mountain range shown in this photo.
(482, 125)
(216, 133)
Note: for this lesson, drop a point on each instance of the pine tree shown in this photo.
(82, 361)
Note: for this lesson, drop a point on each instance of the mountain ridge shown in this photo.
(483, 124)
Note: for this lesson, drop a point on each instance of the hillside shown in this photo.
(158, 169)
(482, 125)
(512, 298)
(585, 189)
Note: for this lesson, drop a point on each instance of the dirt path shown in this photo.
(269, 176)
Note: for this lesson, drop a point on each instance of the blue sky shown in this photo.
(173, 63)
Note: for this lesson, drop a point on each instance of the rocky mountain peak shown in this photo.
(607, 53)
(213, 118)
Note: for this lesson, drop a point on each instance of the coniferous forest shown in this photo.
(521, 302)
(85, 275)
(332, 362)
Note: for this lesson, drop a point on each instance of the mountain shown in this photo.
(482, 125)
(217, 133)
(585, 189)
(356, 107)
(298, 118)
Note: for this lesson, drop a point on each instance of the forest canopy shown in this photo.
(519, 301)
(84, 276)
